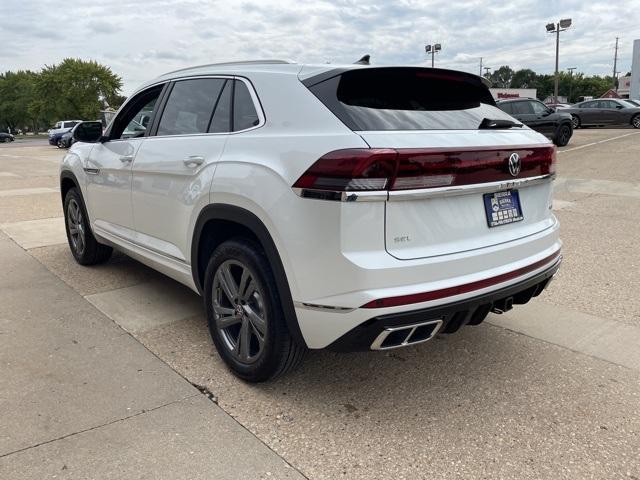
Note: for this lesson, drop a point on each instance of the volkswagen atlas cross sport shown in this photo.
(319, 206)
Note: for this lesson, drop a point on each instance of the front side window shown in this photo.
(135, 117)
(538, 108)
(189, 108)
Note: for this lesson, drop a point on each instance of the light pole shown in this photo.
(432, 49)
(556, 28)
(571, 69)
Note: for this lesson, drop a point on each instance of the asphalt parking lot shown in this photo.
(549, 390)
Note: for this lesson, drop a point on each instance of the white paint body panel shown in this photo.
(333, 253)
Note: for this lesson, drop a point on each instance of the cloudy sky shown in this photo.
(140, 39)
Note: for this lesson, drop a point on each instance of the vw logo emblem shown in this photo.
(514, 164)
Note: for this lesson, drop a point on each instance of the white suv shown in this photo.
(319, 206)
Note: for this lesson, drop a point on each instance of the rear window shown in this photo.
(373, 99)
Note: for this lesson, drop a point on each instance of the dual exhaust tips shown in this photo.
(402, 336)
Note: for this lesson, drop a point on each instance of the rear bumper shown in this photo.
(453, 315)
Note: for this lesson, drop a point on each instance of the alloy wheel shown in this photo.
(575, 122)
(239, 311)
(75, 222)
(636, 121)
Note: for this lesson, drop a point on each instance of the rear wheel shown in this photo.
(563, 135)
(635, 121)
(245, 315)
(60, 144)
(84, 247)
(575, 121)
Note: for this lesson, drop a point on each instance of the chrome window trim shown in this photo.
(423, 193)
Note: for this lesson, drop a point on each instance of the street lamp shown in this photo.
(432, 49)
(556, 28)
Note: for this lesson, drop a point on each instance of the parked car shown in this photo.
(320, 206)
(59, 129)
(557, 106)
(535, 114)
(604, 111)
(6, 137)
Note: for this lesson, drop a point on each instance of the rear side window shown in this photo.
(389, 98)
(506, 107)
(190, 106)
(244, 111)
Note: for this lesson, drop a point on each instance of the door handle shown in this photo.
(126, 158)
(193, 161)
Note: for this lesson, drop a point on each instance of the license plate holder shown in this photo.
(502, 208)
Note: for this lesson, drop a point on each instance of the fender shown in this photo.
(68, 174)
(250, 221)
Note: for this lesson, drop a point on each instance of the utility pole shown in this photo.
(556, 28)
(571, 69)
(480, 66)
(486, 71)
(615, 66)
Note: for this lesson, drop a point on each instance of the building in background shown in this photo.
(634, 85)
(507, 93)
(624, 86)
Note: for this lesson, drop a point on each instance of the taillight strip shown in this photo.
(344, 175)
(460, 289)
(400, 195)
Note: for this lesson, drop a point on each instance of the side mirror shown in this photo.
(88, 132)
(619, 106)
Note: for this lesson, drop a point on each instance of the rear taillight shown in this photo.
(406, 169)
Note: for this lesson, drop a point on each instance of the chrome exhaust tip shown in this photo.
(405, 335)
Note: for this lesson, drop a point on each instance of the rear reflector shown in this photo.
(407, 169)
(459, 289)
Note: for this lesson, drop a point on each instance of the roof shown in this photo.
(286, 67)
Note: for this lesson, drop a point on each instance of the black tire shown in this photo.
(277, 352)
(575, 121)
(59, 144)
(84, 246)
(635, 121)
(563, 135)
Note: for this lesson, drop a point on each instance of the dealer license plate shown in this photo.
(502, 208)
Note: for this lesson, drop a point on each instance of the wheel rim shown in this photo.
(75, 222)
(564, 135)
(576, 122)
(636, 121)
(239, 311)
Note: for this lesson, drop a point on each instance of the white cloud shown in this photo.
(142, 39)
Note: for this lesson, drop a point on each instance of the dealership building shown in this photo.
(634, 84)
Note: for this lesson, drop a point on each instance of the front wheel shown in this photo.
(563, 135)
(635, 121)
(245, 315)
(84, 246)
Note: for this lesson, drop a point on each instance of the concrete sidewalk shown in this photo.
(80, 398)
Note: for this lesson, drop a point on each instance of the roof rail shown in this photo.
(241, 62)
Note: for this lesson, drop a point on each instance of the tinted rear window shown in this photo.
(407, 99)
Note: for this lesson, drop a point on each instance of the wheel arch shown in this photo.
(68, 181)
(219, 222)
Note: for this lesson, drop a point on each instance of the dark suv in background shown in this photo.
(536, 115)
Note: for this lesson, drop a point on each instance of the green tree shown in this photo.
(501, 78)
(524, 78)
(75, 89)
(17, 90)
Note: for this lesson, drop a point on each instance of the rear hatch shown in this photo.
(460, 173)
